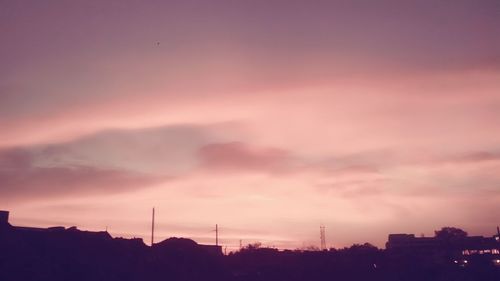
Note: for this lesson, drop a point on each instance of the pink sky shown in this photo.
(268, 118)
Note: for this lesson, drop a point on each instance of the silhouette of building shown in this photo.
(477, 249)
(408, 242)
(460, 250)
(59, 253)
(211, 249)
(62, 233)
(4, 217)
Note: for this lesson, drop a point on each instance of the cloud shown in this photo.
(169, 149)
(160, 150)
(20, 178)
(109, 161)
(239, 156)
(473, 157)
(15, 158)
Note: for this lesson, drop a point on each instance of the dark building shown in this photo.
(460, 250)
(408, 242)
(60, 253)
(59, 233)
(212, 249)
(4, 217)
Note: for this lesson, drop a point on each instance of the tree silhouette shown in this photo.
(450, 233)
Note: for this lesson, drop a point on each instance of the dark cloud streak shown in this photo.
(21, 179)
(239, 156)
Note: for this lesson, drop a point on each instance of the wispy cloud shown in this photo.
(20, 179)
(236, 156)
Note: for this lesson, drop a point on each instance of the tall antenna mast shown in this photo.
(153, 228)
(322, 237)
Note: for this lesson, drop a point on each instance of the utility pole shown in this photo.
(153, 228)
(322, 237)
(216, 235)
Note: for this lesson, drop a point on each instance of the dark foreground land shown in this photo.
(70, 254)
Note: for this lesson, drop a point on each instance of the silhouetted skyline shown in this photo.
(59, 253)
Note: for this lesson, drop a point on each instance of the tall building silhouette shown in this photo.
(4, 217)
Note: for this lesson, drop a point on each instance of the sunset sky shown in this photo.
(267, 117)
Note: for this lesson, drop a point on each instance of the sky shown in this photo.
(268, 118)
